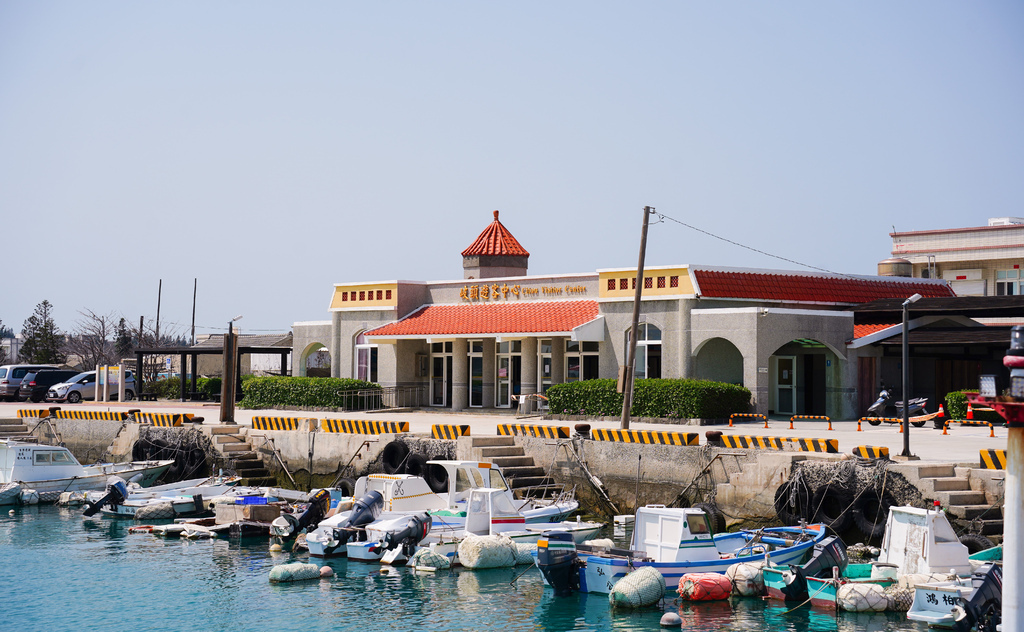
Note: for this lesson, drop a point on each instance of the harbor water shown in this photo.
(65, 572)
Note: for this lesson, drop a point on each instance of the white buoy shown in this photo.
(10, 513)
(275, 548)
(671, 620)
(326, 571)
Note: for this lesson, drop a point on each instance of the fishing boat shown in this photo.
(50, 470)
(674, 541)
(184, 499)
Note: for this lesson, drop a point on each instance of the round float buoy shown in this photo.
(275, 548)
(643, 587)
(858, 597)
(704, 587)
(671, 620)
(747, 578)
(326, 571)
(10, 513)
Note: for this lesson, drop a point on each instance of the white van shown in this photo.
(11, 376)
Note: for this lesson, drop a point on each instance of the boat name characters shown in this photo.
(509, 292)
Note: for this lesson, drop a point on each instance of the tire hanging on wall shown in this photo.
(437, 478)
(791, 514)
(871, 512)
(416, 464)
(976, 542)
(832, 506)
(393, 456)
(347, 486)
(714, 514)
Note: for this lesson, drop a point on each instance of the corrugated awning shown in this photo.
(577, 319)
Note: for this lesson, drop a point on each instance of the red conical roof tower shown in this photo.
(495, 253)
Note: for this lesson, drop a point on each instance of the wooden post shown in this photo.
(627, 390)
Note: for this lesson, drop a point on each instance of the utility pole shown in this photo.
(159, 293)
(195, 286)
(627, 382)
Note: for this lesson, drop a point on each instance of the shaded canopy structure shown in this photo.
(214, 345)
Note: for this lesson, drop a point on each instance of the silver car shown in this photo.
(11, 376)
(83, 386)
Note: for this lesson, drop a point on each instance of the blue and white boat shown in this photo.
(675, 541)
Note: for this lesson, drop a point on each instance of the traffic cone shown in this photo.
(941, 414)
(970, 411)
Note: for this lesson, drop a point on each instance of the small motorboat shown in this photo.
(827, 560)
(963, 602)
(674, 541)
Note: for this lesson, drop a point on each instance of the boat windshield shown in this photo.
(497, 480)
(50, 457)
(698, 524)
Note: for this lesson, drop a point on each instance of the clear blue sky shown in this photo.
(273, 149)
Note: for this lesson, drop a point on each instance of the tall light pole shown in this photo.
(906, 374)
(227, 385)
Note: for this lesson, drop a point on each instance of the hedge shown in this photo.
(170, 387)
(316, 392)
(680, 399)
(956, 408)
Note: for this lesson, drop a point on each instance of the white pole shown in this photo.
(1013, 552)
(120, 381)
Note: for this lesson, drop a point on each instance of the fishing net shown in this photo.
(643, 587)
(857, 597)
(704, 587)
(294, 572)
(425, 558)
(487, 551)
(900, 599)
(747, 578)
(155, 511)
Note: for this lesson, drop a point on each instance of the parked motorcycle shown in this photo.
(884, 406)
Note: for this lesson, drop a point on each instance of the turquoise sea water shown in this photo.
(65, 572)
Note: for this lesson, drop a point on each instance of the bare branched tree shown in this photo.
(92, 339)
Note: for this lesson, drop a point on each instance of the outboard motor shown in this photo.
(287, 525)
(829, 553)
(116, 492)
(364, 511)
(559, 562)
(985, 607)
(416, 528)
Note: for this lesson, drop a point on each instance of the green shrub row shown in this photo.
(956, 408)
(318, 392)
(170, 387)
(680, 399)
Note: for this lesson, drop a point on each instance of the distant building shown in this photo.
(981, 261)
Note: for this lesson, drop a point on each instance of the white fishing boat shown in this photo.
(191, 498)
(51, 470)
(675, 541)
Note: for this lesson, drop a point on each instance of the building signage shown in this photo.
(505, 291)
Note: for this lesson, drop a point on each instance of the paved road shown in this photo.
(961, 445)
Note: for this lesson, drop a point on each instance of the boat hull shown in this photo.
(144, 473)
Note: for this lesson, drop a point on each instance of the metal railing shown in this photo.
(385, 398)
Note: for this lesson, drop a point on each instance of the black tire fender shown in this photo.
(714, 514)
(832, 506)
(871, 513)
(347, 486)
(790, 515)
(393, 456)
(437, 478)
(416, 464)
(976, 542)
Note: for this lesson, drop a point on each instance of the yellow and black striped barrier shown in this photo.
(817, 445)
(448, 431)
(530, 430)
(164, 420)
(748, 416)
(364, 426)
(650, 437)
(993, 459)
(871, 452)
(760, 443)
(34, 413)
(810, 418)
(104, 415)
(260, 422)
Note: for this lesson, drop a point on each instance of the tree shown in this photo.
(43, 341)
(90, 340)
(124, 342)
(3, 350)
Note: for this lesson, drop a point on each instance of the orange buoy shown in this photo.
(704, 587)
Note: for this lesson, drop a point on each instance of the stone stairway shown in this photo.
(15, 428)
(233, 442)
(521, 471)
(942, 482)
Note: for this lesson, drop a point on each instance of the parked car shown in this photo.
(35, 385)
(11, 376)
(83, 386)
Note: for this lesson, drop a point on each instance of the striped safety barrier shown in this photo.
(530, 430)
(817, 445)
(651, 437)
(165, 420)
(965, 422)
(260, 422)
(871, 452)
(748, 416)
(448, 431)
(104, 415)
(364, 426)
(809, 417)
(760, 443)
(993, 459)
(34, 413)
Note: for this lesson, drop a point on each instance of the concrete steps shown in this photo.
(234, 444)
(952, 488)
(520, 470)
(14, 428)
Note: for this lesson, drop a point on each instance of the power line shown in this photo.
(662, 216)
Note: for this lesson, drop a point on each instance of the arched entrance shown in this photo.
(719, 360)
(315, 361)
(803, 374)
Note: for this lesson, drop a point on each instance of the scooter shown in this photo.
(884, 404)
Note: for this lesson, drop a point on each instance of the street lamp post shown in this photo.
(906, 374)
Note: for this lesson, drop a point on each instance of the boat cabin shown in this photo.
(446, 486)
(923, 541)
(491, 511)
(672, 534)
(35, 462)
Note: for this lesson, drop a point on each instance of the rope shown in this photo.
(808, 600)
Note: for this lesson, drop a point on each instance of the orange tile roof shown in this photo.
(811, 288)
(491, 318)
(859, 331)
(495, 240)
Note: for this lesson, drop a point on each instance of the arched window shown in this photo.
(366, 359)
(648, 351)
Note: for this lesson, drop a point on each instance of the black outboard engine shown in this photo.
(116, 492)
(287, 525)
(364, 511)
(415, 529)
(829, 553)
(559, 562)
(985, 607)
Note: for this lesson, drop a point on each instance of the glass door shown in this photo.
(476, 373)
(440, 372)
(785, 385)
(509, 371)
(544, 372)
